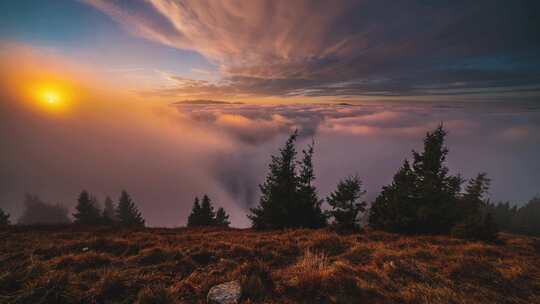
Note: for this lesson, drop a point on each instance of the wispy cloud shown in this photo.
(348, 48)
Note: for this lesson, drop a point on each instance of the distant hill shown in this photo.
(78, 265)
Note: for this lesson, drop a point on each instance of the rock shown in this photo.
(225, 293)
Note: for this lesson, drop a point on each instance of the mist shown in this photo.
(166, 154)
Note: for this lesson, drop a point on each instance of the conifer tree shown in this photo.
(222, 218)
(437, 190)
(476, 222)
(279, 191)
(88, 212)
(38, 212)
(194, 218)
(108, 215)
(394, 208)
(127, 213)
(4, 218)
(309, 213)
(527, 218)
(423, 197)
(346, 205)
(207, 212)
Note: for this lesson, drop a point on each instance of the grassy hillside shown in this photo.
(298, 266)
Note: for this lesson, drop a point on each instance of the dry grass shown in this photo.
(293, 266)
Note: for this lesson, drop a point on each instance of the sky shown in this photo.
(93, 95)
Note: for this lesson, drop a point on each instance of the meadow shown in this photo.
(70, 264)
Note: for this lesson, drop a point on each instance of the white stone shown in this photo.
(226, 293)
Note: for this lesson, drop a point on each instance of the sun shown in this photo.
(50, 97)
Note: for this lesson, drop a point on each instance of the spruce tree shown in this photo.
(309, 213)
(109, 216)
(88, 212)
(4, 218)
(207, 212)
(394, 208)
(345, 204)
(423, 197)
(127, 213)
(194, 218)
(527, 218)
(476, 222)
(279, 191)
(222, 218)
(38, 212)
(437, 190)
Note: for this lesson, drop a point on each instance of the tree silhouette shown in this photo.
(207, 215)
(127, 213)
(88, 212)
(309, 213)
(278, 192)
(475, 223)
(288, 197)
(195, 215)
(38, 212)
(394, 208)
(345, 204)
(421, 198)
(202, 214)
(527, 218)
(109, 216)
(222, 218)
(4, 218)
(437, 190)
(504, 215)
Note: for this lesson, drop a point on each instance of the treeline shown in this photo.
(522, 220)
(423, 198)
(202, 214)
(88, 212)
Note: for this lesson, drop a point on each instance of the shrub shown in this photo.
(476, 228)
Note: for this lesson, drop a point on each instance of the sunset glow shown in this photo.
(50, 97)
(169, 99)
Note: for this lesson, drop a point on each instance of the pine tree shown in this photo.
(423, 197)
(88, 212)
(345, 204)
(279, 191)
(309, 214)
(194, 218)
(437, 190)
(394, 209)
(4, 218)
(109, 216)
(38, 212)
(476, 222)
(527, 218)
(207, 212)
(127, 213)
(222, 218)
(472, 202)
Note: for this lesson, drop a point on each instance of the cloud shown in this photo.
(350, 48)
(371, 140)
